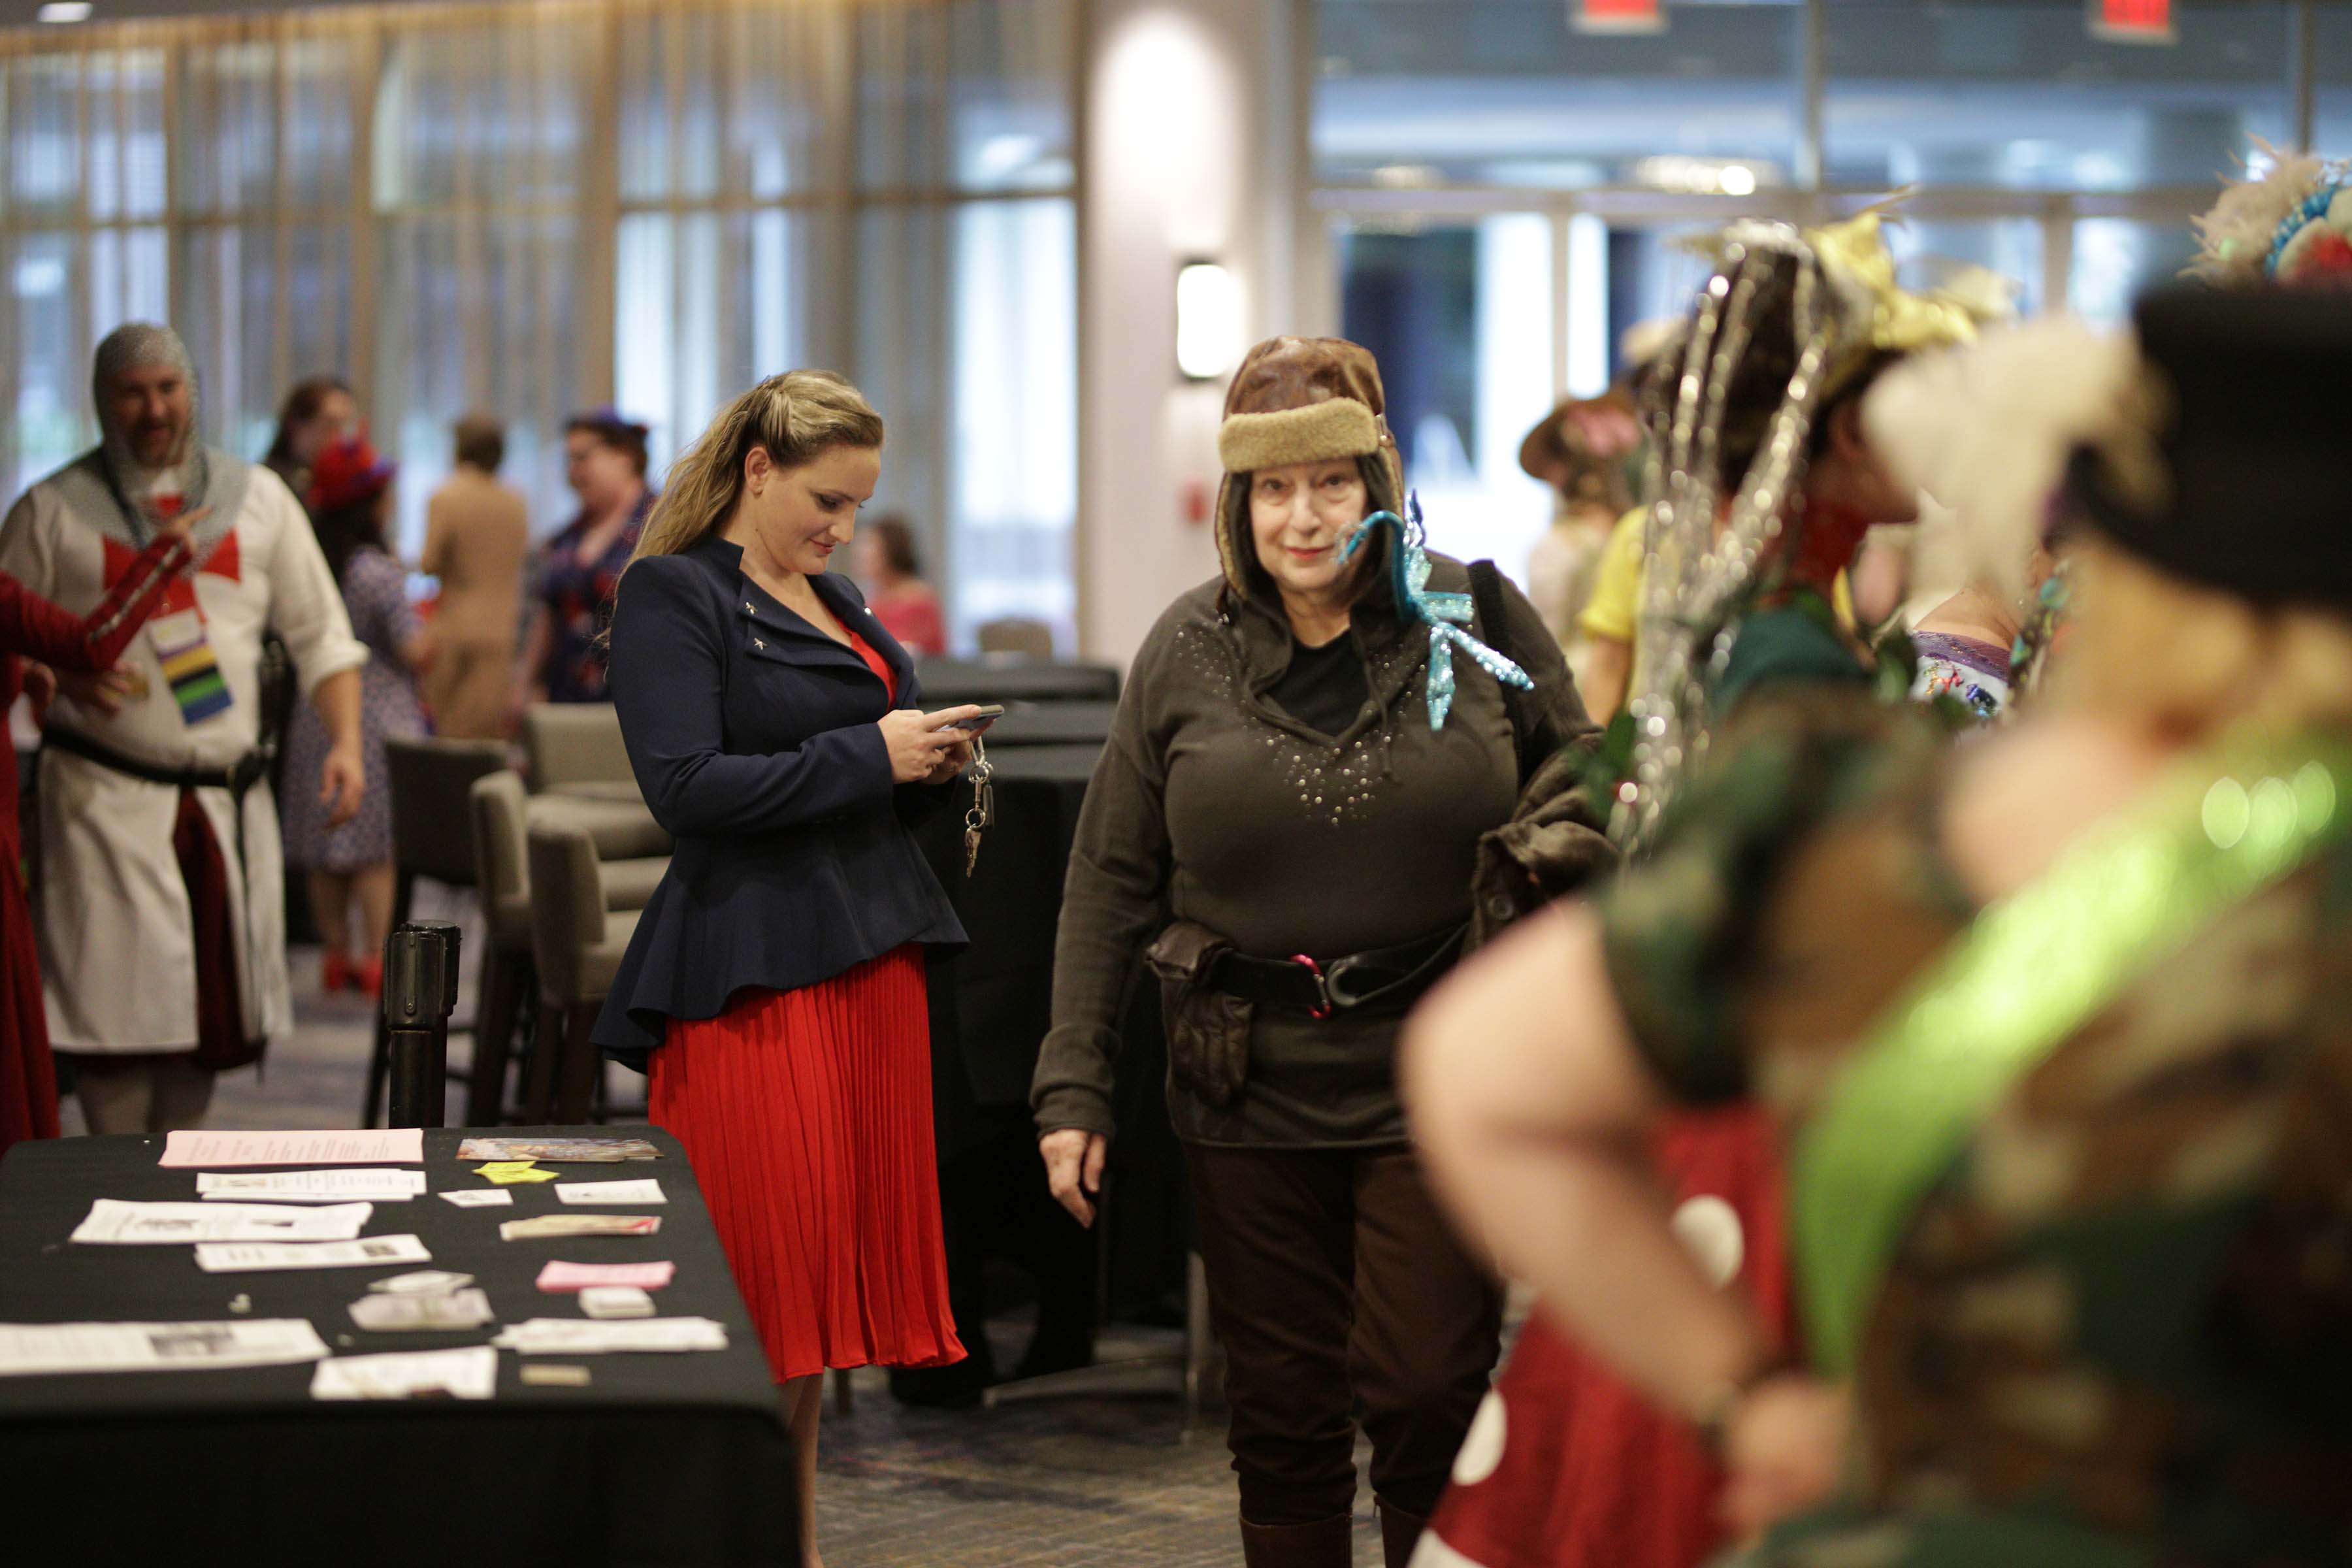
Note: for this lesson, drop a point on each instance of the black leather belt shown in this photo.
(249, 770)
(1388, 979)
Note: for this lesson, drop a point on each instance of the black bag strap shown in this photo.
(1494, 628)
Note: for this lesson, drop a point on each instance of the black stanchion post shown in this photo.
(420, 992)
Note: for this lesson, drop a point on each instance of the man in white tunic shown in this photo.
(161, 904)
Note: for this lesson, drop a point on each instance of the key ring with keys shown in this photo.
(982, 812)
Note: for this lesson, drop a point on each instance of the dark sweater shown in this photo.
(1213, 804)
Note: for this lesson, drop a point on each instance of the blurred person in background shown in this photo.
(1584, 451)
(349, 861)
(908, 607)
(578, 571)
(1286, 818)
(319, 411)
(2078, 1293)
(477, 535)
(161, 903)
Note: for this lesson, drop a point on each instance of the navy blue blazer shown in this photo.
(753, 735)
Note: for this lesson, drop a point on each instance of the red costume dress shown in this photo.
(32, 626)
(1568, 1466)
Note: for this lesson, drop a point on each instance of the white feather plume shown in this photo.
(1987, 430)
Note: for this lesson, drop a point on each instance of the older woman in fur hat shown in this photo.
(1274, 783)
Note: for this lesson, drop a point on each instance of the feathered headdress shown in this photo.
(2292, 225)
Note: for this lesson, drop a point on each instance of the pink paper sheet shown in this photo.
(365, 1146)
(560, 1276)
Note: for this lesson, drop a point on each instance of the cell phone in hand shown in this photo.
(978, 722)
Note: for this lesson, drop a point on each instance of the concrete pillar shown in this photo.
(1189, 140)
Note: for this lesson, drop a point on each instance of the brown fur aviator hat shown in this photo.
(1300, 400)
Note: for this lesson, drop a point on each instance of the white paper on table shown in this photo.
(559, 1276)
(113, 1222)
(365, 1146)
(581, 1336)
(32, 1347)
(430, 1282)
(477, 1197)
(382, 1185)
(647, 1191)
(604, 1301)
(385, 1312)
(468, 1374)
(246, 1257)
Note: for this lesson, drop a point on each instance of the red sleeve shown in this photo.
(31, 625)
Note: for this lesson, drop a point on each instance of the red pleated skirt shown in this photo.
(807, 1114)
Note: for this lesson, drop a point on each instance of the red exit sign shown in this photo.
(2133, 21)
(1617, 16)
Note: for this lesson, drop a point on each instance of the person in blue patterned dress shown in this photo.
(349, 866)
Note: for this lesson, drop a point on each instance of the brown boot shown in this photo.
(1327, 1544)
(1400, 1532)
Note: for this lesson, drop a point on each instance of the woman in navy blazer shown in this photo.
(774, 991)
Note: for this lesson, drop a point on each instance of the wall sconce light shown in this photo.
(64, 13)
(1208, 320)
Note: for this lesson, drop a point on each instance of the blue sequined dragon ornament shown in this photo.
(1443, 614)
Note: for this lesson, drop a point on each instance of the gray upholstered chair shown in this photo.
(632, 852)
(1016, 634)
(575, 748)
(431, 781)
(577, 940)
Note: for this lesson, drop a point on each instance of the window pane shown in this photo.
(484, 308)
(2021, 95)
(1504, 91)
(2117, 260)
(2332, 130)
(44, 135)
(227, 132)
(51, 417)
(127, 156)
(902, 71)
(707, 304)
(492, 114)
(1461, 320)
(902, 366)
(1012, 89)
(1016, 419)
(729, 100)
(974, 94)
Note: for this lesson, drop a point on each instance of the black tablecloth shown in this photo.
(990, 1006)
(672, 1458)
(949, 681)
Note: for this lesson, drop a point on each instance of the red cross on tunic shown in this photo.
(181, 594)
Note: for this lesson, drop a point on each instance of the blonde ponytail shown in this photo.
(797, 416)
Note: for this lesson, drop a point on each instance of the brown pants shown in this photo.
(1336, 1287)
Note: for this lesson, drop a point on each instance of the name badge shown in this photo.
(184, 650)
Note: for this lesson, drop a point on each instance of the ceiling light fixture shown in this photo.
(60, 12)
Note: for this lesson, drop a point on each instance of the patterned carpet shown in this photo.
(1089, 1483)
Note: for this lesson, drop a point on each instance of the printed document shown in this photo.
(198, 1149)
(33, 1347)
(117, 1223)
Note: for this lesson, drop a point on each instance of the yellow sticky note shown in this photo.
(506, 1172)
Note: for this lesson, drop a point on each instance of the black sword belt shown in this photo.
(1385, 980)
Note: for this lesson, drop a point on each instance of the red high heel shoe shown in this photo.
(335, 972)
(368, 979)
